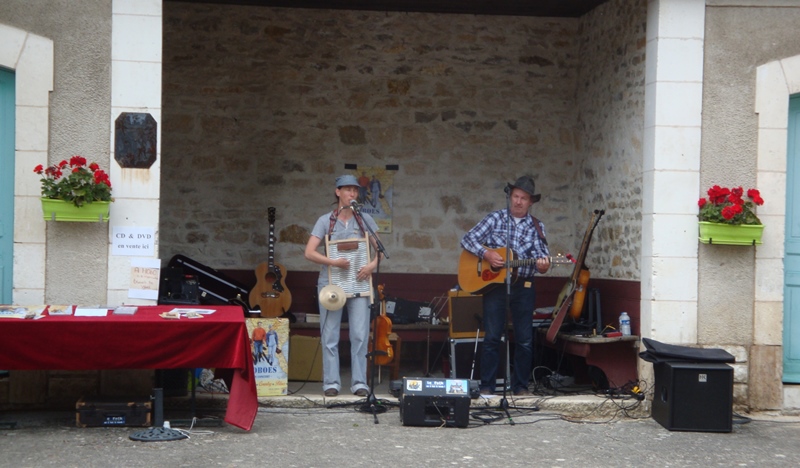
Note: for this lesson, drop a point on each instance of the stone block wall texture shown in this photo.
(737, 42)
(264, 107)
(728, 154)
(77, 253)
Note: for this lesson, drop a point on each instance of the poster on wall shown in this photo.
(269, 343)
(375, 189)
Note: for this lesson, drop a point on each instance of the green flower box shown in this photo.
(60, 210)
(730, 234)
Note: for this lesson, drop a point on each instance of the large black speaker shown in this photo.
(693, 396)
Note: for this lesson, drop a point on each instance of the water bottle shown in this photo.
(625, 324)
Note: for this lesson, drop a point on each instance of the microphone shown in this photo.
(508, 188)
(354, 205)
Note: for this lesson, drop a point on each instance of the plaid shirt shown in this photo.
(491, 232)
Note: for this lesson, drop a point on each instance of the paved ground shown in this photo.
(313, 435)
(302, 430)
(307, 437)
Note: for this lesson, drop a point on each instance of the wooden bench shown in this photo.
(616, 356)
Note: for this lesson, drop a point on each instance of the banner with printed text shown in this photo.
(269, 343)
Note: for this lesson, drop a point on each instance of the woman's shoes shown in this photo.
(331, 392)
(362, 392)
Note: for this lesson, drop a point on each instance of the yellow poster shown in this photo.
(269, 343)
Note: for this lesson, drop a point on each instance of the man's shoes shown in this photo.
(522, 392)
(487, 391)
(331, 392)
(362, 392)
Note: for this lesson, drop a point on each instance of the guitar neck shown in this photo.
(271, 250)
(587, 237)
(531, 261)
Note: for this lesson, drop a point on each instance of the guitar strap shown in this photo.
(539, 229)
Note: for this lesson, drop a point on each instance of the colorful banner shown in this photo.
(269, 343)
(375, 194)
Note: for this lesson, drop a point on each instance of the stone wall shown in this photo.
(265, 106)
(77, 253)
(610, 99)
(737, 42)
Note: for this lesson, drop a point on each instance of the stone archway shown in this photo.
(31, 58)
(775, 82)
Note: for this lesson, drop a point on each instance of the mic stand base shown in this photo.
(372, 406)
(503, 405)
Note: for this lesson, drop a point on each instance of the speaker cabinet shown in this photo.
(466, 314)
(693, 396)
(435, 402)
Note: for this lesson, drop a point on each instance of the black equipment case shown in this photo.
(215, 287)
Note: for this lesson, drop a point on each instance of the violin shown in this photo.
(382, 327)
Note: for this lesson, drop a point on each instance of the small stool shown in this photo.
(394, 366)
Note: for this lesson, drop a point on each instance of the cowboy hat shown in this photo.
(525, 183)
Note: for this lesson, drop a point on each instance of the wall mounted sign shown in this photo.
(135, 138)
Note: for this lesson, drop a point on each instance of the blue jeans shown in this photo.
(521, 303)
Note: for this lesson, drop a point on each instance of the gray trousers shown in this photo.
(330, 322)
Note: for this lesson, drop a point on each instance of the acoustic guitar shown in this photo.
(476, 277)
(270, 293)
(571, 297)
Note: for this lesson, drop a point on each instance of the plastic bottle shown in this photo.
(625, 324)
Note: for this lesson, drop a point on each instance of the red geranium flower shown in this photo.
(728, 206)
(82, 185)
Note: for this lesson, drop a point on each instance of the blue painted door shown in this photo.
(7, 104)
(791, 284)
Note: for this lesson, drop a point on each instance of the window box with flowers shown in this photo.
(75, 191)
(728, 218)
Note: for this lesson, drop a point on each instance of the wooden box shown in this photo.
(113, 412)
(466, 314)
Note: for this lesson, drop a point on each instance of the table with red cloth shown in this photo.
(140, 341)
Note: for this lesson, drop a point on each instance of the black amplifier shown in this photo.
(692, 396)
(436, 402)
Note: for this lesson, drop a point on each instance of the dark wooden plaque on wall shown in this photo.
(135, 140)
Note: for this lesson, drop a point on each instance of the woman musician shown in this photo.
(337, 225)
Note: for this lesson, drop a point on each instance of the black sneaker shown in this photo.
(522, 392)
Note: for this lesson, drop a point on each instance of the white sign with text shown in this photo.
(133, 241)
(144, 278)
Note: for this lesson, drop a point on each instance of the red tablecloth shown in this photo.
(140, 341)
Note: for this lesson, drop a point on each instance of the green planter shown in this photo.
(729, 234)
(59, 210)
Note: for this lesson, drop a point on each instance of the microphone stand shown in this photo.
(504, 334)
(373, 405)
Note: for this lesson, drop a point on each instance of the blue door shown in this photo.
(7, 103)
(791, 282)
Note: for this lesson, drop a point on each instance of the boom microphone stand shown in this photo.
(372, 405)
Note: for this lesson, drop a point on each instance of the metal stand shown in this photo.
(160, 432)
(507, 312)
